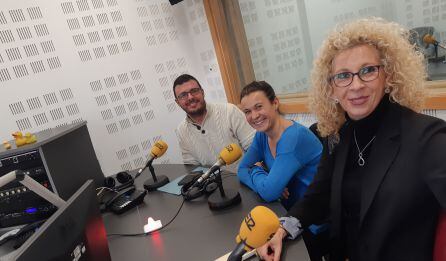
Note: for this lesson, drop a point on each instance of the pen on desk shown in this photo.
(249, 254)
(246, 256)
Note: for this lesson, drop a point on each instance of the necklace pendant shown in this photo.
(361, 161)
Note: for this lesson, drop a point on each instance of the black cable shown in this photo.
(151, 232)
(224, 175)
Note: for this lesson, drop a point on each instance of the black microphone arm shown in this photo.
(31, 184)
(148, 163)
(209, 173)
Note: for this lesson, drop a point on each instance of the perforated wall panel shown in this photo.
(109, 62)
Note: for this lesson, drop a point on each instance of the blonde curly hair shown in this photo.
(402, 62)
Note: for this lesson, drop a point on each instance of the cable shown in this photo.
(151, 232)
(104, 188)
(224, 175)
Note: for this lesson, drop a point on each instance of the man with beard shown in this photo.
(208, 127)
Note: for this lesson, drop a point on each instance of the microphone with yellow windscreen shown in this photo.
(227, 156)
(430, 39)
(158, 149)
(210, 180)
(231, 153)
(256, 229)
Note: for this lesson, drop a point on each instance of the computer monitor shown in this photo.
(74, 232)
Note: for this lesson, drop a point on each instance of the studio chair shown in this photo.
(440, 238)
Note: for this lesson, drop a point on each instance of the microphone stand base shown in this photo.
(151, 185)
(216, 201)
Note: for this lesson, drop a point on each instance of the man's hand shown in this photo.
(272, 249)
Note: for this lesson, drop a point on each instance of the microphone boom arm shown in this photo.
(152, 171)
(32, 185)
(148, 164)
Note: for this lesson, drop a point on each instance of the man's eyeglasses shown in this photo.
(194, 92)
(366, 74)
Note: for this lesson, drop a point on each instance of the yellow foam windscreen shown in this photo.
(231, 153)
(158, 149)
(429, 39)
(258, 227)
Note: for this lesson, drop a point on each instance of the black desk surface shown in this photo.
(197, 233)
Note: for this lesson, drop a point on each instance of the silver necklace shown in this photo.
(361, 160)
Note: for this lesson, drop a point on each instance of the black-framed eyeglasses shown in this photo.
(366, 74)
(194, 92)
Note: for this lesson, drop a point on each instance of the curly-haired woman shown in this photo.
(382, 177)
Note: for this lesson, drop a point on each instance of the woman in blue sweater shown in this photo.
(283, 156)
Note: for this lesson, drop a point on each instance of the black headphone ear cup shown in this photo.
(211, 187)
(193, 193)
(123, 177)
(109, 182)
(189, 193)
(184, 191)
(125, 180)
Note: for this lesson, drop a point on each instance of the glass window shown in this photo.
(284, 35)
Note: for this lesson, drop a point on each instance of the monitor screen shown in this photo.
(74, 232)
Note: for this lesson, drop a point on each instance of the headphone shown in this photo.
(124, 179)
(189, 192)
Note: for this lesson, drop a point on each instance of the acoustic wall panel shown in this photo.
(198, 22)
(27, 47)
(277, 43)
(98, 28)
(45, 111)
(110, 62)
(157, 22)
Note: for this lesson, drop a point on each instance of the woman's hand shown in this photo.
(285, 193)
(272, 249)
(259, 164)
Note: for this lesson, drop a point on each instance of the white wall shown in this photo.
(109, 62)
